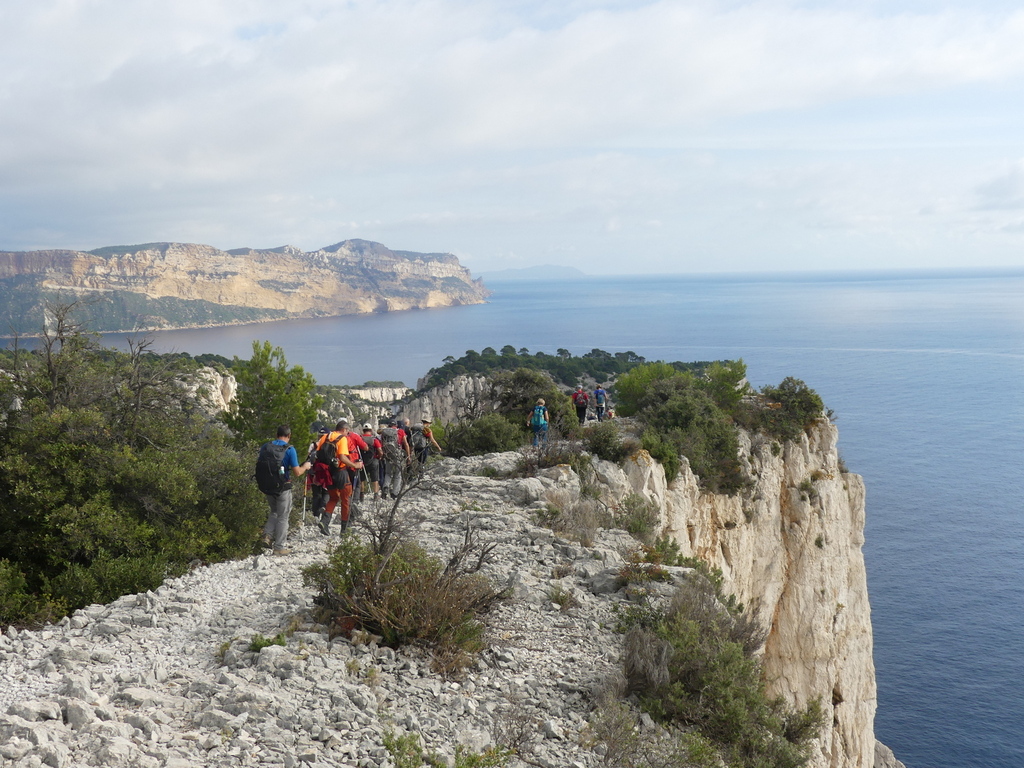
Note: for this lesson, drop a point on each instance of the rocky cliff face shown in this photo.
(179, 284)
(790, 549)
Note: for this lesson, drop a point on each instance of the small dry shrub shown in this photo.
(638, 516)
(573, 516)
(407, 596)
(515, 729)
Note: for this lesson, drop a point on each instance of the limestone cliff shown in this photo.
(164, 285)
(790, 549)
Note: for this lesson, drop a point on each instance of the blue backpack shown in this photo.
(539, 418)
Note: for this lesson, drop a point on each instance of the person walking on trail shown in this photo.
(319, 478)
(396, 456)
(580, 399)
(600, 400)
(371, 456)
(276, 465)
(356, 446)
(539, 423)
(422, 440)
(333, 452)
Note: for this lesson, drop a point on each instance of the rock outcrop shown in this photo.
(165, 285)
(790, 550)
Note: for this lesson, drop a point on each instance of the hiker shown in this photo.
(538, 422)
(276, 465)
(580, 399)
(356, 446)
(421, 441)
(600, 398)
(396, 456)
(319, 477)
(371, 456)
(332, 451)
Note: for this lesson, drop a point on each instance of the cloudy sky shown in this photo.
(613, 136)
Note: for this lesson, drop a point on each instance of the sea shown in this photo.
(924, 374)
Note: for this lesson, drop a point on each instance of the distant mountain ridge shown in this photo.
(186, 285)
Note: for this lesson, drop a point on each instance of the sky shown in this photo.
(615, 137)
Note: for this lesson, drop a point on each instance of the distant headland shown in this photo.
(185, 285)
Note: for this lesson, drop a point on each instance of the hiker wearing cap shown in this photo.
(580, 399)
(422, 439)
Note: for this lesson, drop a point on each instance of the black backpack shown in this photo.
(327, 452)
(270, 474)
(417, 439)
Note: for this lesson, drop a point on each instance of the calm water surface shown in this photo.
(924, 374)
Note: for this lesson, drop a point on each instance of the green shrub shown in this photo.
(405, 596)
(695, 668)
(638, 516)
(785, 411)
(606, 441)
(259, 642)
(110, 480)
(631, 387)
(490, 433)
(683, 419)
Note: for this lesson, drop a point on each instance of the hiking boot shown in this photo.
(265, 540)
(324, 524)
(283, 551)
(344, 525)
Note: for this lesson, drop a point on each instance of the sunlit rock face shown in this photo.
(790, 550)
(165, 285)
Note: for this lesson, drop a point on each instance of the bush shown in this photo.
(639, 517)
(575, 517)
(784, 411)
(631, 387)
(695, 668)
(109, 479)
(683, 419)
(404, 595)
(490, 433)
(605, 441)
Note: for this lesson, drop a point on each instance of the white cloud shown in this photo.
(491, 126)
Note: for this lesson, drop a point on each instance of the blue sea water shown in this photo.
(924, 373)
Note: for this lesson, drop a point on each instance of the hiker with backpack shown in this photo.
(276, 464)
(396, 456)
(538, 422)
(333, 456)
(371, 456)
(600, 398)
(580, 399)
(421, 440)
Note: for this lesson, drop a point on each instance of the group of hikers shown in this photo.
(539, 419)
(344, 466)
(347, 466)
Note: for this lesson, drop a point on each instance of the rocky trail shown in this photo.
(166, 679)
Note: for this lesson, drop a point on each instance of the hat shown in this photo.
(425, 421)
(367, 427)
(341, 423)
